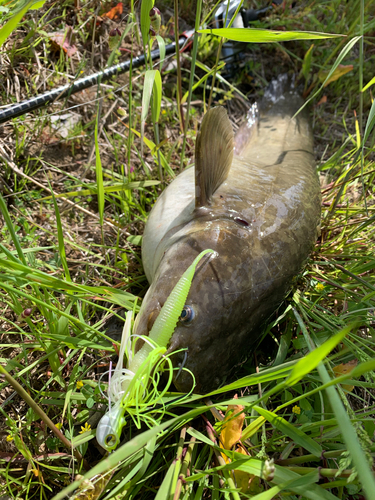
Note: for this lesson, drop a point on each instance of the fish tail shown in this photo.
(281, 97)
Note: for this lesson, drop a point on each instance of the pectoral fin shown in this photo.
(213, 154)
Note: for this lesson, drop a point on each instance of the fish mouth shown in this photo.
(183, 379)
(146, 318)
(152, 318)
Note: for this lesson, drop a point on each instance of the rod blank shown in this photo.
(66, 91)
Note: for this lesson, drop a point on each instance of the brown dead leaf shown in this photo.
(323, 100)
(61, 40)
(114, 12)
(338, 73)
(343, 369)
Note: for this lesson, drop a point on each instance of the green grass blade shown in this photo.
(347, 430)
(312, 360)
(191, 81)
(252, 428)
(306, 66)
(164, 492)
(54, 361)
(146, 98)
(304, 481)
(370, 123)
(13, 22)
(99, 173)
(60, 238)
(282, 475)
(153, 149)
(370, 83)
(202, 80)
(157, 91)
(219, 77)
(348, 47)
(146, 6)
(349, 436)
(267, 375)
(129, 448)
(8, 254)
(148, 455)
(124, 299)
(111, 188)
(265, 36)
(291, 431)
(161, 44)
(361, 369)
(8, 221)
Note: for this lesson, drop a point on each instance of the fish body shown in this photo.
(254, 200)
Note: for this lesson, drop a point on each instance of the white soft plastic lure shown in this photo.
(128, 383)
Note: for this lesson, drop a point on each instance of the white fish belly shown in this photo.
(172, 209)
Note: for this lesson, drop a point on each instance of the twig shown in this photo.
(213, 410)
(24, 395)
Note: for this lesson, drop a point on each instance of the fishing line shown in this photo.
(182, 364)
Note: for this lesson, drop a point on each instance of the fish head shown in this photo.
(218, 307)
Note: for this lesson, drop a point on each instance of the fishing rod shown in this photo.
(244, 18)
(88, 81)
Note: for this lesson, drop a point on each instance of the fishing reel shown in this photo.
(244, 17)
(232, 52)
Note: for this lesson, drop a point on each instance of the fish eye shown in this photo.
(187, 314)
(110, 440)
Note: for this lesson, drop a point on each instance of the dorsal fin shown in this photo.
(213, 154)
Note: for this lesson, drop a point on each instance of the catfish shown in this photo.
(254, 199)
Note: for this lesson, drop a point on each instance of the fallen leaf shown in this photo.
(343, 369)
(338, 73)
(114, 12)
(61, 40)
(248, 483)
(323, 100)
(231, 430)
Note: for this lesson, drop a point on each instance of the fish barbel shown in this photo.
(255, 200)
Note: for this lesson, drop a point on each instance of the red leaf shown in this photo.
(114, 12)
